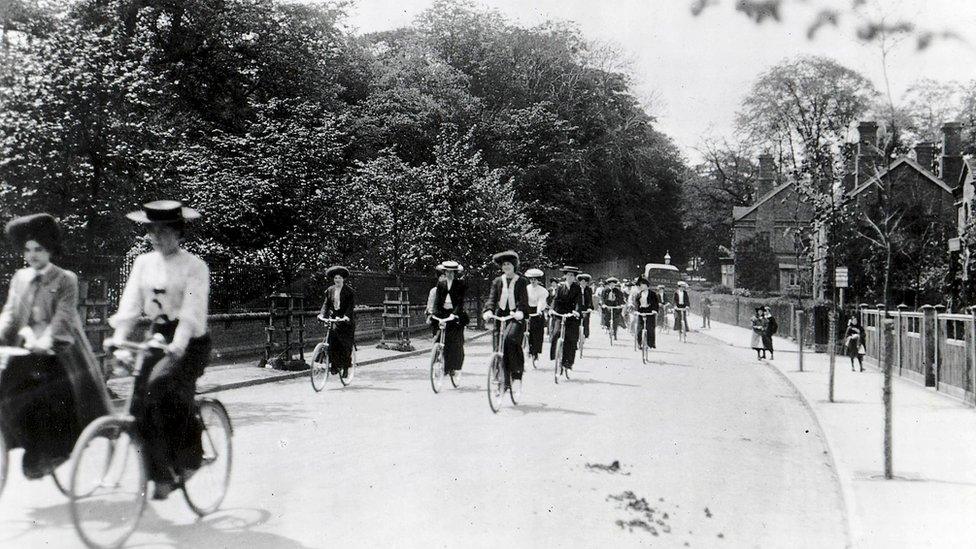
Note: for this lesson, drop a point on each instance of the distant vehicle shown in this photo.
(662, 273)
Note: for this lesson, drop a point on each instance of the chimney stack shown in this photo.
(849, 155)
(767, 175)
(868, 158)
(925, 154)
(951, 164)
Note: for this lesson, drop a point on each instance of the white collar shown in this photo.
(47, 268)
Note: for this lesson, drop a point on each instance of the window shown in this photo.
(870, 320)
(914, 325)
(955, 330)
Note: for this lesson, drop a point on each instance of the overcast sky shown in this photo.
(699, 68)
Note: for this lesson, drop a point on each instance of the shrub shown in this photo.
(721, 289)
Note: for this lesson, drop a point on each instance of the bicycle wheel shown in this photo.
(456, 378)
(319, 371)
(558, 364)
(62, 478)
(350, 372)
(644, 348)
(3, 462)
(205, 489)
(436, 368)
(514, 390)
(582, 341)
(496, 383)
(108, 482)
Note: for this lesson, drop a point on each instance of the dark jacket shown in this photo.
(347, 302)
(618, 297)
(457, 292)
(653, 303)
(568, 299)
(521, 296)
(588, 298)
(687, 298)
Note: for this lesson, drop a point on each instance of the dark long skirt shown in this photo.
(342, 339)
(572, 338)
(453, 346)
(166, 412)
(651, 334)
(512, 341)
(767, 341)
(537, 327)
(679, 315)
(37, 410)
(585, 324)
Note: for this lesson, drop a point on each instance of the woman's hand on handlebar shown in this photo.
(518, 315)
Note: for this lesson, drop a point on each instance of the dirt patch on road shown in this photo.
(614, 468)
(652, 520)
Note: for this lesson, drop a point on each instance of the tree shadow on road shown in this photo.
(225, 528)
(545, 408)
(589, 381)
(254, 413)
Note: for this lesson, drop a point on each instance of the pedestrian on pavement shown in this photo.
(509, 295)
(588, 302)
(340, 301)
(50, 395)
(612, 297)
(430, 301)
(854, 342)
(647, 302)
(770, 327)
(449, 303)
(706, 308)
(758, 328)
(538, 297)
(568, 299)
(171, 287)
(681, 304)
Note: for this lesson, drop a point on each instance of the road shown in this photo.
(714, 450)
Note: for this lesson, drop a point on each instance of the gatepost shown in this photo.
(937, 356)
(929, 343)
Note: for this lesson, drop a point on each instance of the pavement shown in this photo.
(702, 447)
(932, 500)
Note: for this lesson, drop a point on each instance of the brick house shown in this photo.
(964, 192)
(781, 218)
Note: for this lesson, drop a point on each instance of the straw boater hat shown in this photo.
(584, 276)
(642, 280)
(535, 273)
(570, 269)
(508, 255)
(163, 211)
(337, 270)
(41, 227)
(612, 280)
(682, 283)
(450, 266)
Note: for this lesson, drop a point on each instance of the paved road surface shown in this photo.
(714, 450)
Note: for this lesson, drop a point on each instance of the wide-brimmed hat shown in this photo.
(641, 280)
(569, 269)
(337, 270)
(451, 266)
(508, 255)
(40, 227)
(163, 211)
(612, 280)
(535, 273)
(682, 283)
(584, 277)
(439, 268)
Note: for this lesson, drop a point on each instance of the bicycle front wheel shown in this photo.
(644, 348)
(107, 491)
(350, 372)
(319, 372)
(557, 366)
(496, 383)
(436, 368)
(3, 462)
(205, 489)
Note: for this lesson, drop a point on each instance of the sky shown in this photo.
(693, 72)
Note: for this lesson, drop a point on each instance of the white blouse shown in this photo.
(538, 296)
(177, 286)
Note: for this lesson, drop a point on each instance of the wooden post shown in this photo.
(886, 396)
(799, 337)
(832, 342)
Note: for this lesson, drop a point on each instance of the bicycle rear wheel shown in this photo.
(107, 492)
(3, 462)
(644, 348)
(350, 372)
(496, 383)
(558, 365)
(514, 389)
(319, 372)
(205, 489)
(582, 342)
(456, 378)
(436, 368)
(62, 478)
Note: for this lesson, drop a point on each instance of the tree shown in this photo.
(755, 264)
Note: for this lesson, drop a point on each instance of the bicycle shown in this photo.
(582, 339)
(107, 491)
(681, 314)
(499, 378)
(6, 353)
(612, 327)
(560, 344)
(526, 344)
(437, 359)
(319, 370)
(644, 347)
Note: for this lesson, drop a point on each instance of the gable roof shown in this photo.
(895, 165)
(738, 212)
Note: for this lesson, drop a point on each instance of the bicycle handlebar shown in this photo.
(564, 315)
(332, 320)
(157, 341)
(502, 318)
(441, 320)
(647, 314)
(614, 306)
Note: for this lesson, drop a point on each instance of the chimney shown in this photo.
(868, 158)
(767, 175)
(951, 165)
(925, 154)
(849, 155)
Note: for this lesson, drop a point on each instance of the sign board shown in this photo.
(840, 277)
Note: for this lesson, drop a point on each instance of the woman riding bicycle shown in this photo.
(509, 295)
(588, 302)
(538, 298)
(340, 301)
(171, 287)
(613, 297)
(646, 301)
(449, 303)
(568, 299)
(49, 396)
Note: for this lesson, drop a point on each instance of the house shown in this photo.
(964, 192)
(779, 218)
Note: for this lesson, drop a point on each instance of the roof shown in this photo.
(738, 212)
(893, 166)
